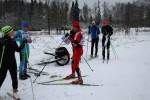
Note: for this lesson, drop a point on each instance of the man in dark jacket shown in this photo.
(107, 31)
(94, 31)
(8, 47)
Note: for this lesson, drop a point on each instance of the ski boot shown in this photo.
(69, 77)
(78, 81)
(23, 77)
(27, 75)
(14, 95)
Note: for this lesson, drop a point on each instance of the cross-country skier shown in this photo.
(8, 47)
(77, 53)
(94, 31)
(24, 54)
(107, 31)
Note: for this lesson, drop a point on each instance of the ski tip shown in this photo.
(91, 85)
(68, 84)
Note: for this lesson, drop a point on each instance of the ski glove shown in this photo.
(25, 41)
(67, 34)
(77, 44)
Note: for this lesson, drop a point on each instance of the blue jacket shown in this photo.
(94, 31)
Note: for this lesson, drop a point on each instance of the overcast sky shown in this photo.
(91, 2)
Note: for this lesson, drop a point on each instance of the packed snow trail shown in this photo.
(125, 78)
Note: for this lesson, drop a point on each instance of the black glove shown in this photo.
(76, 44)
(25, 41)
(67, 34)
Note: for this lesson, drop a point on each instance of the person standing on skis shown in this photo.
(107, 31)
(24, 54)
(8, 47)
(77, 53)
(94, 31)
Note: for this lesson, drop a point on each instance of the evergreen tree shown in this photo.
(85, 13)
(72, 12)
(98, 14)
(76, 11)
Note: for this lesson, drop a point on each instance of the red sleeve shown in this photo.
(78, 37)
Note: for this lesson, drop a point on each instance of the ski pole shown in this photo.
(2, 57)
(39, 73)
(113, 49)
(62, 42)
(28, 66)
(87, 47)
(88, 64)
(33, 95)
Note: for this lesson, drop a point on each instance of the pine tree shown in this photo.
(72, 12)
(98, 14)
(76, 11)
(85, 13)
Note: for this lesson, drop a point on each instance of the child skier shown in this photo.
(8, 47)
(24, 54)
(77, 53)
(107, 31)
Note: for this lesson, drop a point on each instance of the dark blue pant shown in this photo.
(94, 43)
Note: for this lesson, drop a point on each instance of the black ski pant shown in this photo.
(105, 45)
(94, 43)
(13, 73)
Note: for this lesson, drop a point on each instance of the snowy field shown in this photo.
(125, 77)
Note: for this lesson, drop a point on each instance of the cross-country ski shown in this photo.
(61, 79)
(71, 84)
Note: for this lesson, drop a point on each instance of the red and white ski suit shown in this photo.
(77, 50)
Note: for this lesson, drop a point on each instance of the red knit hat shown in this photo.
(76, 25)
(105, 22)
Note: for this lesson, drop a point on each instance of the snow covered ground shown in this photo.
(125, 77)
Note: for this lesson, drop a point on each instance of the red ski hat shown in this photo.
(105, 22)
(76, 24)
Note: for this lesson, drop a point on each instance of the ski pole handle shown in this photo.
(2, 57)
